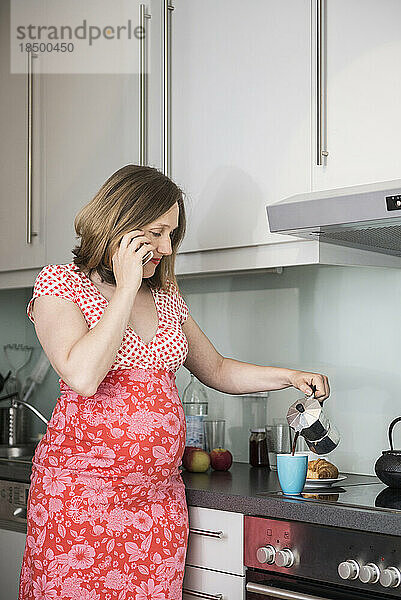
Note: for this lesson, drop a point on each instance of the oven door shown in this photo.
(271, 586)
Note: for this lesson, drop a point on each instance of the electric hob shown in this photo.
(372, 496)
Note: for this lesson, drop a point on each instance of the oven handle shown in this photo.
(206, 532)
(273, 592)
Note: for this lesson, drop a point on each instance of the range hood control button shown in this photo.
(369, 573)
(266, 554)
(284, 558)
(390, 577)
(348, 569)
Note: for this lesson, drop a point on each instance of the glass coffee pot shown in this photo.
(307, 418)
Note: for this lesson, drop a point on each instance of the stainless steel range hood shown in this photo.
(367, 217)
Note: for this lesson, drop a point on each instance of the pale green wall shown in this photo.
(342, 321)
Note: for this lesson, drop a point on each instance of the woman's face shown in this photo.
(159, 233)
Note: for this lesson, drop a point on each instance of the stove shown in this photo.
(304, 561)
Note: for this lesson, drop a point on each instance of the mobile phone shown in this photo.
(148, 256)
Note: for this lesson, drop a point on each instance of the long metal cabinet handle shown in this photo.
(29, 233)
(202, 594)
(206, 532)
(166, 86)
(273, 592)
(321, 97)
(143, 149)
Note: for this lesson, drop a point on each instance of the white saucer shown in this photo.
(323, 483)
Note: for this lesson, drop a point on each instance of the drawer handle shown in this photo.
(206, 532)
(202, 594)
(273, 592)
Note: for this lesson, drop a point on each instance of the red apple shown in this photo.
(221, 459)
(195, 460)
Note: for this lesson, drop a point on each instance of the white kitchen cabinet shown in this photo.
(241, 115)
(91, 129)
(216, 585)
(12, 545)
(216, 540)
(85, 127)
(363, 57)
(15, 251)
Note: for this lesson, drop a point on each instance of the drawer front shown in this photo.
(210, 585)
(216, 540)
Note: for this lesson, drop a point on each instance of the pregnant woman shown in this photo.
(107, 517)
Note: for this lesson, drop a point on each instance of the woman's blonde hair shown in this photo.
(131, 198)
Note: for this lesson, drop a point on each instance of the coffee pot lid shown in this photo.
(303, 413)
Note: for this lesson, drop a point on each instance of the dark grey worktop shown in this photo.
(255, 491)
(250, 490)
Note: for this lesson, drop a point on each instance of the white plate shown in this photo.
(323, 483)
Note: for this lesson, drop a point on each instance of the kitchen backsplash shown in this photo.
(341, 321)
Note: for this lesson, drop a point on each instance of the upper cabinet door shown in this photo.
(22, 235)
(241, 115)
(91, 130)
(362, 57)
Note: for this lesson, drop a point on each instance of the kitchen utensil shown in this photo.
(14, 419)
(3, 380)
(37, 376)
(278, 442)
(214, 434)
(388, 465)
(307, 417)
(323, 483)
(291, 471)
(18, 356)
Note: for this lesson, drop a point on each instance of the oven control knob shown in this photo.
(369, 573)
(266, 554)
(284, 558)
(348, 569)
(390, 577)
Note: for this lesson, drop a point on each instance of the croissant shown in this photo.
(321, 469)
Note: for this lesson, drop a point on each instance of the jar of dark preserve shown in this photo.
(258, 455)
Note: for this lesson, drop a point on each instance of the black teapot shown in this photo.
(388, 466)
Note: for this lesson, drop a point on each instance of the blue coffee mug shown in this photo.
(292, 471)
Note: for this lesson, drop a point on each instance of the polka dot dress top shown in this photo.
(167, 349)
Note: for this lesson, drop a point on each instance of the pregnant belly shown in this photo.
(133, 426)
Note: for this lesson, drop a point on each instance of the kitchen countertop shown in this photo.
(255, 491)
(251, 491)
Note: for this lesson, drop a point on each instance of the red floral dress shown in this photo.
(107, 516)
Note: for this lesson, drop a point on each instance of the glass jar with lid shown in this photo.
(258, 455)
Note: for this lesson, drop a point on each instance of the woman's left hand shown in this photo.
(311, 383)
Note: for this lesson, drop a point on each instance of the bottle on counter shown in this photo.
(258, 454)
(195, 404)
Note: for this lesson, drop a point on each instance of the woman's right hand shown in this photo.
(127, 260)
